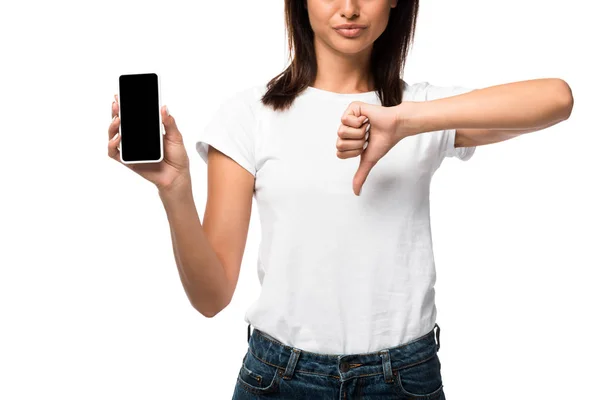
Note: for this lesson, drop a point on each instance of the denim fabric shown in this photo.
(272, 370)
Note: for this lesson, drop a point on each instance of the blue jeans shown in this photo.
(272, 370)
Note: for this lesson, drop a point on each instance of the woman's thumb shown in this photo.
(171, 130)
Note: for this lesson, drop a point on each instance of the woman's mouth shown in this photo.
(350, 33)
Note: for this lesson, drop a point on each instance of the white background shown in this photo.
(91, 305)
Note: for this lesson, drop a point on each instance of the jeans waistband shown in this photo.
(344, 366)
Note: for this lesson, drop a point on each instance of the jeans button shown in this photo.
(344, 367)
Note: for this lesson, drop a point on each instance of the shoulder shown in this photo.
(425, 91)
(415, 91)
(250, 95)
(245, 101)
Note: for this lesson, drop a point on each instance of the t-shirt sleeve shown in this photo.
(231, 131)
(447, 136)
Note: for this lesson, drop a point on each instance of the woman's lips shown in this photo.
(354, 32)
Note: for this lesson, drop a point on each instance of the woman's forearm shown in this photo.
(200, 269)
(524, 105)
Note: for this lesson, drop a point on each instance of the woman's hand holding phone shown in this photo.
(173, 170)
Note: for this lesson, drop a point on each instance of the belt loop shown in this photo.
(291, 365)
(387, 365)
(248, 333)
(437, 335)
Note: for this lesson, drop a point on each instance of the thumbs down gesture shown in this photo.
(369, 131)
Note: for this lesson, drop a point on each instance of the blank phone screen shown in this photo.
(140, 120)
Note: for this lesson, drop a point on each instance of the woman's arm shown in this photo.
(209, 255)
(200, 270)
(478, 137)
(495, 113)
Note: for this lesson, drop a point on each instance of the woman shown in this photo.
(347, 307)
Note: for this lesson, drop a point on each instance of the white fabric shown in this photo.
(340, 273)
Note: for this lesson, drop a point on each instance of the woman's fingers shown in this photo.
(114, 139)
(352, 144)
(350, 119)
(348, 132)
(352, 141)
(113, 128)
(113, 151)
(115, 107)
(349, 153)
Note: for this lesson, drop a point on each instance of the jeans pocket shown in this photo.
(258, 377)
(420, 381)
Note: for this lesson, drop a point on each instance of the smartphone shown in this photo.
(141, 126)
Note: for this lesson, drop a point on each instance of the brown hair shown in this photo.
(388, 56)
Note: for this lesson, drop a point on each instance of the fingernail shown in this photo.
(368, 127)
(114, 118)
(115, 137)
(360, 191)
(366, 120)
(167, 110)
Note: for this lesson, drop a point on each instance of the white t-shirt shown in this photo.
(339, 273)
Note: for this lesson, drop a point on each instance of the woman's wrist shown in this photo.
(179, 188)
(413, 118)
